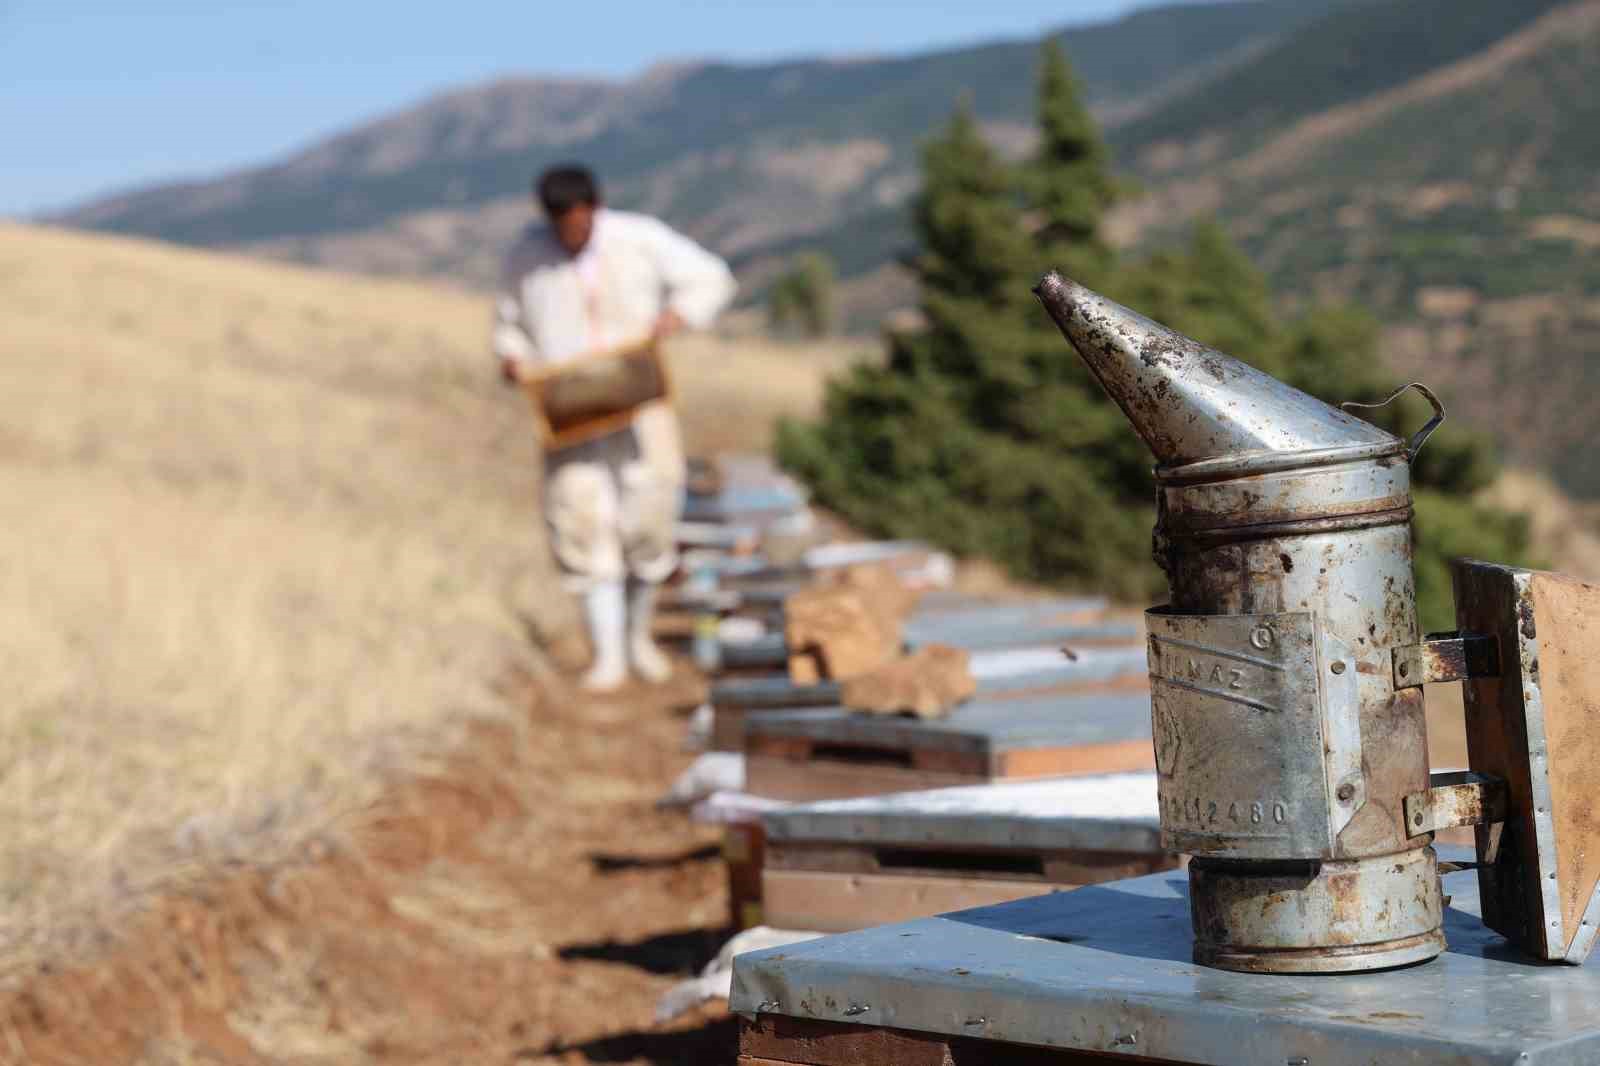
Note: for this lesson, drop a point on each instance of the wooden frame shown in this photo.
(595, 394)
(799, 768)
(779, 1040)
(834, 886)
(744, 848)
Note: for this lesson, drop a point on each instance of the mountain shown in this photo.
(751, 159)
(1461, 203)
(1435, 160)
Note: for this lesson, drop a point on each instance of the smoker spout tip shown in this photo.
(1053, 286)
(1061, 296)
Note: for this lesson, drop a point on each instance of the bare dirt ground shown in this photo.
(266, 537)
(526, 904)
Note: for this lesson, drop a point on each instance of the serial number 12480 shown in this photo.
(1194, 810)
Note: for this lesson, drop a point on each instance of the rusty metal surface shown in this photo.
(1520, 886)
(1446, 657)
(1328, 917)
(1359, 585)
(1456, 798)
(1272, 505)
(1106, 968)
(1238, 726)
(1190, 403)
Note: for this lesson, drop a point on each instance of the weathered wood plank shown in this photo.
(804, 1042)
(839, 902)
(791, 779)
(1081, 759)
(1077, 867)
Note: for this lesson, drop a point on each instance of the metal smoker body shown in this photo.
(1284, 751)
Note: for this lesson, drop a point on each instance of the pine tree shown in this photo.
(1206, 289)
(1068, 182)
(984, 432)
(972, 251)
(802, 296)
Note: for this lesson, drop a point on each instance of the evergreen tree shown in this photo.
(802, 296)
(985, 433)
(1208, 290)
(972, 252)
(1068, 183)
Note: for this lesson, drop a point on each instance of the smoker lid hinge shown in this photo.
(1454, 798)
(1454, 656)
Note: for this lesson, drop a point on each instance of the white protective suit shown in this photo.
(611, 503)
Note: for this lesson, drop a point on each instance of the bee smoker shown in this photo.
(1286, 678)
(1284, 749)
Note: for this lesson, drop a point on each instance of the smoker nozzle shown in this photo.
(1188, 402)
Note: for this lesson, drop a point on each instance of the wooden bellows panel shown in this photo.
(1537, 726)
(596, 394)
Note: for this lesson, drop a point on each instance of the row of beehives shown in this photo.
(1034, 778)
(1287, 673)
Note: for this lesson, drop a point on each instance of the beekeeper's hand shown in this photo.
(669, 323)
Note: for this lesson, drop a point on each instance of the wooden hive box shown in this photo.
(837, 865)
(1011, 676)
(832, 752)
(974, 628)
(1000, 672)
(1104, 975)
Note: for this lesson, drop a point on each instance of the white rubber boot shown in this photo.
(605, 609)
(649, 662)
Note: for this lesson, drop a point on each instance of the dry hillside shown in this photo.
(270, 562)
(268, 536)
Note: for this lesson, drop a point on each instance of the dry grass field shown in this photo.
(273, 588)
(268, 537)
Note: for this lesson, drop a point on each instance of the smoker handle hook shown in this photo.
(1420, 437)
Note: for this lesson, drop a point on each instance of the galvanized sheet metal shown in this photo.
(756, 693)
(1101, 812)
(1238, 725)
(975, 632)
(1106, 968)
(996, 672)
(985, 726)
(1272, 504)
(979, 631)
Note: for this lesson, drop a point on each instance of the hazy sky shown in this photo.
(103, 94)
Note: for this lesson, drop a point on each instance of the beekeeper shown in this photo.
(590, 279)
